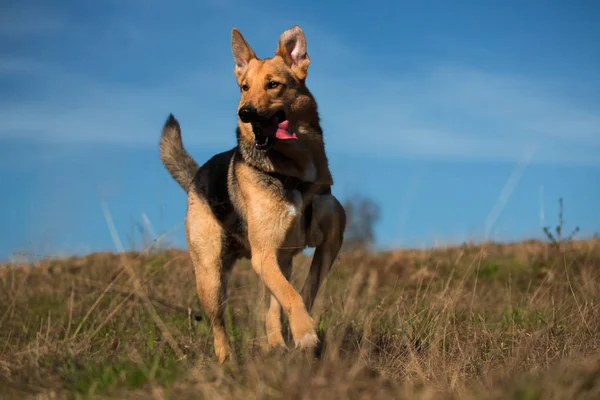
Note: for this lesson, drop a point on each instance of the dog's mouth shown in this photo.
(268, 131)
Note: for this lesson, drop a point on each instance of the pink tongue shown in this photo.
(283, 133)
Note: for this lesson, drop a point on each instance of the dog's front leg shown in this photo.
(273, 317)
(273, 221)
(266, 264)
(269, 235)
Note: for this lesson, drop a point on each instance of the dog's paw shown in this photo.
(308, 341)
(223, 353)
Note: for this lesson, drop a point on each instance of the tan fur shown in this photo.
(236, 209)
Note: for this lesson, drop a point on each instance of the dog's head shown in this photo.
(274, 98)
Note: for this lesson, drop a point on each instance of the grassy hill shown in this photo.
(515, 321)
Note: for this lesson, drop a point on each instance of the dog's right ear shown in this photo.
(242, 53)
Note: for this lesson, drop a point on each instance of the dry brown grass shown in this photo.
(477, 321)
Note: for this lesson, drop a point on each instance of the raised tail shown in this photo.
(173, 155)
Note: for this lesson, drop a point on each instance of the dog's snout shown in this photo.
(248, 114)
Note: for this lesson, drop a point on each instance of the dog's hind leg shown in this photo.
(326, 233)
(205, 239)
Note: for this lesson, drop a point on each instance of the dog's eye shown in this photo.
(272, 85)
(245, 87)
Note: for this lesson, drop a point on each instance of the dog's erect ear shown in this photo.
(292, 48)
(242, 52)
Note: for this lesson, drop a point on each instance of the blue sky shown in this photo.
(462, 119)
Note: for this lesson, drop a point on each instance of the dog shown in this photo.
(266, 199)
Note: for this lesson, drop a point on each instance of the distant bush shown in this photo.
(362, 213)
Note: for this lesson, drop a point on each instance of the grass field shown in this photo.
(514, 321)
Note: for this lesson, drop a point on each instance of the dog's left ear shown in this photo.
(292, 48)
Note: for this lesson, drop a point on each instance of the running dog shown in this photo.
(266, 199)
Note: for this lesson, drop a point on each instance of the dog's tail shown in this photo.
(173, 155)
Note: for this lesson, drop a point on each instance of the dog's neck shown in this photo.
(304, 158)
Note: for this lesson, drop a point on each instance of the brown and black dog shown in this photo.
(266, 199)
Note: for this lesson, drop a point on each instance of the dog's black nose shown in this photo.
(248, 114)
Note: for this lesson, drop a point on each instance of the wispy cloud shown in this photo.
(440, 112)
(460, 113)
(73, 108)
(444, 114)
